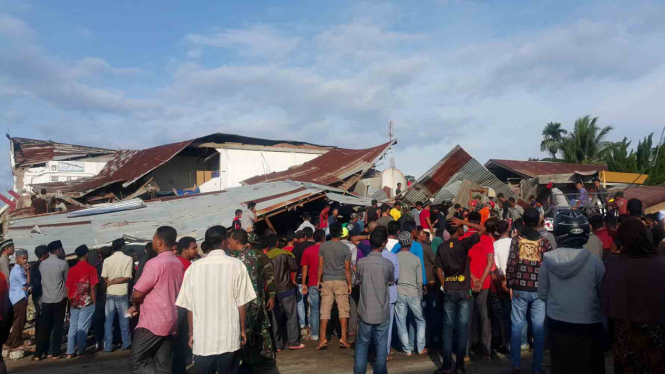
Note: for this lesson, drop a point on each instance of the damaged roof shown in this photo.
(331, 168)
(126, 167)
(532, 169)
(190, 215)
(28, 152)
(456, 166)
(649, 195)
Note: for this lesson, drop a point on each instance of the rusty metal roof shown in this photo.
(29, 152)
(532, 169)
(649, 195)
(190, 215)
(456, 166)
(331, 168)
(126, 167)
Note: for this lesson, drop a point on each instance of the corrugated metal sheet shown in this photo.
(331, 168)
(532, 169)
(190, 215)
(349, 199)
(649, 195)
(456, 166)
(29, 152)
(126, 167)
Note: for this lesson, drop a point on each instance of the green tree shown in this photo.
(619, 158)
(552, 135)
(586, 144)
(644, 154)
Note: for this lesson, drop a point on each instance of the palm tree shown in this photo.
(586, 144)
(552, 134)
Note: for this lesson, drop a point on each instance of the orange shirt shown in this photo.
(484, 215)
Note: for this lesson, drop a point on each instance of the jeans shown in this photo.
(301, 308)
(390, 326)
(402, 306)
(79, 324)
(521, 301)
(118, 304)
(481, 302)
(151, 354)
(314, 299)
(455, 322)
(364, 337)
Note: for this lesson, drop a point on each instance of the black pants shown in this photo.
(98, 320)
(182, 354)
(480, 303)
(226, 363)
(286, 308)
(37, 303)
(151, 354)
(576, 348)
(53, 318)
(353, 310)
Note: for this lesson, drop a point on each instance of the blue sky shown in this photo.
(483, 74)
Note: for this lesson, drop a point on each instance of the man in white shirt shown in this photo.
(214, 292)
(117, 271)
(307, 218)
(248, 217)
(393, 230)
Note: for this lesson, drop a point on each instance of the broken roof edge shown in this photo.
(522, 167)
(340, 174)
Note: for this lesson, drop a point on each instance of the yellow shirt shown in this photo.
(396, 214)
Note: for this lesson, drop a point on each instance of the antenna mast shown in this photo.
(391, 135)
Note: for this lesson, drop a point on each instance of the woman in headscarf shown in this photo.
(634, 302)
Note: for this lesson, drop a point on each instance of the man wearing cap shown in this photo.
(81, 285)
(19, 286)
(117, 271)
(7, 248)
(409, 294)
(36, 283)
(54, 300)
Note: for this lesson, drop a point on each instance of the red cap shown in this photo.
(549, 185)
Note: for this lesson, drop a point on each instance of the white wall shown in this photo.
(60, 171)
(236, 165)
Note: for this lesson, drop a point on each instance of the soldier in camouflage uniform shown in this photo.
(258, 353)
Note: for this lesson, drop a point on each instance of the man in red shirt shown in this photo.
(481, 259)
(323, 218)
(425, 221)
(187, 251)
(310, 273)
(81, 286)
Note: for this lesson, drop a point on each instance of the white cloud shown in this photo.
(262, 41)
(194, 54)
(340, 84)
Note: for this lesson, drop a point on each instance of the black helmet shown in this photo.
(571, 229)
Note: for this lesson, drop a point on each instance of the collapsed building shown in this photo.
(189, 185)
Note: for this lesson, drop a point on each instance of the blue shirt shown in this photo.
(393, 258)
(416, 249)
(17, 280)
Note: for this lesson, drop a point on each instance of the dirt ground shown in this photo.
(333, 360)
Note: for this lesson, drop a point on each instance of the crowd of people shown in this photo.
(467, 283)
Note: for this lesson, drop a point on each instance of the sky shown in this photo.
(487, 75)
